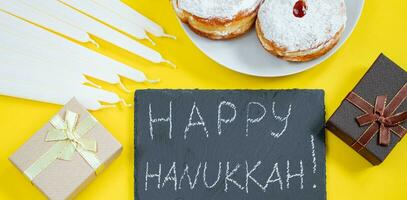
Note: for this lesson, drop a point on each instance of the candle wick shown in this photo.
(170, 63)
(150, 40)
(124, 103)
(107, 106)
(153, 80)
(169, 36)
(94, 42)
(121, 85)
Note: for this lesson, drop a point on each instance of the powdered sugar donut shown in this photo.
(300, 30)
(217, 19)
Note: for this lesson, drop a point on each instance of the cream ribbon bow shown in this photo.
(68, 135)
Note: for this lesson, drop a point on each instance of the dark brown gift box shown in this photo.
(383, 78)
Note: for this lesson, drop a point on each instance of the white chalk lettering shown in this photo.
(249, 176)
(278, 179)
(218, 178)
(250, 120)
(314, 159)
(229, 175)
(222, 120)
(157, 120)
(290, 176)
(148, 175)
(201, 122)
(281, 119)
(186, 173)
(167, 178)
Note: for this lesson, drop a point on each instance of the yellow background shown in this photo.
(382, 28)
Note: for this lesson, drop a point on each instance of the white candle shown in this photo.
(21, 10)
(69, 15)
(91, 8)
(68, 48)
(35, 70)
(17, 69)
(133, 16)
(55, 56)
(56, 93)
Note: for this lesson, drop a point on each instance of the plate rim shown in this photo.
(321, 60)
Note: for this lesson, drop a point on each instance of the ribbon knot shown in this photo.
(71, 135)
(380, 118)
(384, 121)
(68, 136)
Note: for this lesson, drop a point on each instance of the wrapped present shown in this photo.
(67, 153)
(372, 118)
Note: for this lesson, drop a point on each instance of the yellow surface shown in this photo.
(382, 28)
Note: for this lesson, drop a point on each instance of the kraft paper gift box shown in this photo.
(63, 157)
(372, 118)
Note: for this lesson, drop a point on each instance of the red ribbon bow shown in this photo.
(380, 117)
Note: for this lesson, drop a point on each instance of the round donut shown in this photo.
(300, 30)
(217, 19)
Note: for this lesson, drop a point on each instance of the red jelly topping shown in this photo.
(300, 9)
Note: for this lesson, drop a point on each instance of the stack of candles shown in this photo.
(39, 65)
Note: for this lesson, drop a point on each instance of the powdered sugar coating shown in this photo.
(323, 19)
(224, 9)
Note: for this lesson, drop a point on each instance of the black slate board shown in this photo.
(289, 141)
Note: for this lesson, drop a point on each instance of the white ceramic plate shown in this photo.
(246, 55)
